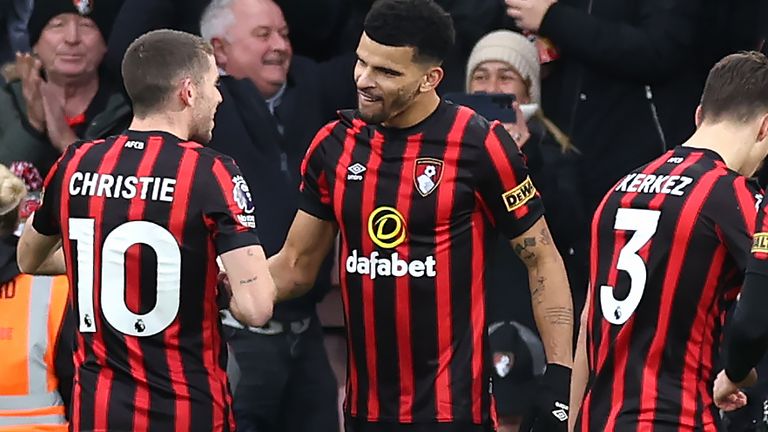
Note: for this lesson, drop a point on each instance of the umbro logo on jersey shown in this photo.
(355, 171)
(561, 411)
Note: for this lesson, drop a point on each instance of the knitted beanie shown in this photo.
(102, 12)
(512, 48)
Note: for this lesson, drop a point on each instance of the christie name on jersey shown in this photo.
(125, 187)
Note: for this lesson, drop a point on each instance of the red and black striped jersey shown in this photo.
(416, 208)
(669, 247)
(143, 217)
(758, 262)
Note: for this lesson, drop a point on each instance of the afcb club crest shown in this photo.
(84, 7)
(427, 175)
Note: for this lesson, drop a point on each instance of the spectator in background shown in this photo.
(36, 325)
(137, 17)
(628, 77)
(56, 95)
(14, 15)
(273, 103)
(519, 363)
(507, 62)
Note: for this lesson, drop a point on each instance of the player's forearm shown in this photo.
(292, 279)
(54, 265)
(34, 248)
(580, 374)
(552, 308)
(252, 302)
(747, 335)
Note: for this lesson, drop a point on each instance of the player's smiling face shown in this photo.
(209, 99)
(388, 80)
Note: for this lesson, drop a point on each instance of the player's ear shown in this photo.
(431, 79)
(698, 117)
(187, 92)
(762, 133)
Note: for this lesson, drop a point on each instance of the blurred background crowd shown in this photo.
(602, 86)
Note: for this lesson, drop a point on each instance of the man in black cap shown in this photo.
(56, 94)
(518, 364)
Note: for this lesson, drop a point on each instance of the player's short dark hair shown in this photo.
(156, 61)
(420, 24)
(737, 88)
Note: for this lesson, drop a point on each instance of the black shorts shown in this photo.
(361, 425)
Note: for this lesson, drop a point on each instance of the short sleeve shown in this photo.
(736, 227)
(229, 211)
(315, 190)
(505, 185)
(46, 220)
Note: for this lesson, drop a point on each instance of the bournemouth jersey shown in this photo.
(416, 208)
(669, 246)
(142, 217)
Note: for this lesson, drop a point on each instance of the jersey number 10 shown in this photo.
(644, 223)
(112, 300)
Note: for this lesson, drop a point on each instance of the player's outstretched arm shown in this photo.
(580, 373)
(253, 290)
(54, 265)
(295, 267)
(550, 292)
(746, 340)
(34, 254)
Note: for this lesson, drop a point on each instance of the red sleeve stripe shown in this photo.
(316, 142)
(224, 178)
(746, 200)
(504, 168)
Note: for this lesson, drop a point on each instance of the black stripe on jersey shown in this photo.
(457, 170)
(349, 215)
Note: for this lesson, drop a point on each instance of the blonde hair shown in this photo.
(565, 143)
(12, 191)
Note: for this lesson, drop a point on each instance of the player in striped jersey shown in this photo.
(669, 246)
(142, 217)
(418, 188)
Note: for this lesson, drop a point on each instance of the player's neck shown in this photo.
(416, 113)
(161, 123)
(730, 142)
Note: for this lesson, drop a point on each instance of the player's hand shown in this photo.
(552, 401)
(727, 395)
(224, 291)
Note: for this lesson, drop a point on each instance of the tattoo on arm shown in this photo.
(249, 252)
(544, 237)
(559, 315)
(248, 281)
(525, 249)
(537, 291)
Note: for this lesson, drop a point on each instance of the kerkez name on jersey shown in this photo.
(125, 187)
(654, 184)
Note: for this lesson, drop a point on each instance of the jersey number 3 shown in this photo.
(644, 223)
(112, 300)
